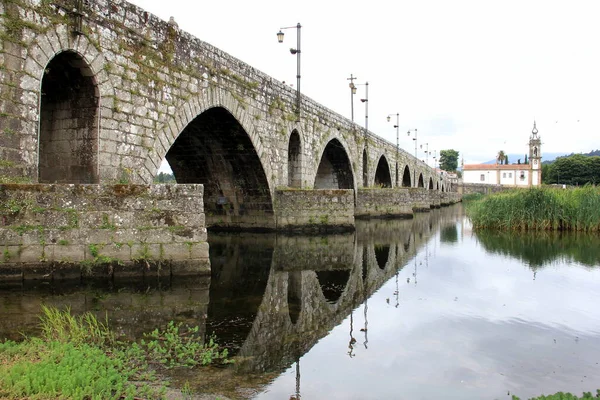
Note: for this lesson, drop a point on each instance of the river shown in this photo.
(400, 309)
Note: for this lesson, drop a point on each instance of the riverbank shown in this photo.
(538, 209)
(80, 357)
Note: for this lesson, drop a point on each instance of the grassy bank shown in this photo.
(538, 209)
(80, 357)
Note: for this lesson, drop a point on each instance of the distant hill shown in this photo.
(546, 157)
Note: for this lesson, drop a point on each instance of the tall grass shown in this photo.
(538, 209)
(62, 326)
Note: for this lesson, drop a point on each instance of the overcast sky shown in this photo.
(471, 75)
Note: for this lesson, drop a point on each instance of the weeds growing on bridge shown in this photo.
(80, 357)
(538, 209)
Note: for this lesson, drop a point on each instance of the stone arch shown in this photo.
(406, 181)
(383, 177)
(214, 149)
(333, 283)
(430, 183)
(421, 183)
(294, 160)
(334, 170)
(187, 112)
(365, 168)
(68, 115)
(40, 53)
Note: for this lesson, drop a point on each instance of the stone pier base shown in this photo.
(64, 231)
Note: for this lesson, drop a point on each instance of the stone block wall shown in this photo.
(382, 203)
(420, 199)
(314, 210)
(56, 231)
(469, 188)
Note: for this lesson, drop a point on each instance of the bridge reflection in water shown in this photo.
(270, 297)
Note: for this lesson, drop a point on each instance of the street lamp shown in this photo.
(427, 152)
(352, 93)
(416, 159)
(366, 101)
(397, 126)
(296, 52)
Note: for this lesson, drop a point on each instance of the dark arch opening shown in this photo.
(383, 177)
(294, 295)
(215, 150)
(406, 177)
(443, 189)
(294, 161)
(334, 170)
(430, 184)
(437, 186)
(240, 266)
(333, 283)
(365, 163)
(382, 254)
(68, 137)
(421, 184)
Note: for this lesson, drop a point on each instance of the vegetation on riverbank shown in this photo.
(538, 209)
(80, 357)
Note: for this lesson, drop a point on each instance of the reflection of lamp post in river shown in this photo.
(352, 340)
(366, 323)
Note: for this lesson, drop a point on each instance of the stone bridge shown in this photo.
(100, 92)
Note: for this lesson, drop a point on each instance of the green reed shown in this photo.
(538, 209)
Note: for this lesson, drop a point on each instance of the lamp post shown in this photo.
(427, 152)
(366, 101)
(415, 168)
(397, 126)
(296, 52)
(352, 93)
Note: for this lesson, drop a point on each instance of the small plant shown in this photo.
(63, 242)
(106, 224)
(6, 255)
(181, 346)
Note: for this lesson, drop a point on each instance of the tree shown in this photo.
(573, 170)
(449, 160)
(506, 159)
(526, 159)
(500, 157)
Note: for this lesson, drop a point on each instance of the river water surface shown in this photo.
(400, 309)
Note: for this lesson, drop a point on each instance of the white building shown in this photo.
(515, 175)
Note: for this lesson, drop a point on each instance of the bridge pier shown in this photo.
(68, 231)
(384, 203)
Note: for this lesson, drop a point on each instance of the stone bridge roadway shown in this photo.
(102, 91)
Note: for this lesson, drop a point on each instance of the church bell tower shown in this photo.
(535, 158)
